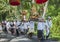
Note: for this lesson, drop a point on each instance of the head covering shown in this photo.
(41, 19)
(49, 17)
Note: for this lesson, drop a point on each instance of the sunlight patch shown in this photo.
(3, 40)
(23, 39)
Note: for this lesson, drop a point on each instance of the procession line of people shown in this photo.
(27, 27)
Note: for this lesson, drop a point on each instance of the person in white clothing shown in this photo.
(22, 28)
(1, 28)
(4, 26)
(8, 26)
(26, 26)
(48, 26)
(31, 29)
(40, 28)
(13, 28)
(17, 23)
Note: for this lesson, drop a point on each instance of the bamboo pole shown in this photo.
(33, 1)
(45, 8)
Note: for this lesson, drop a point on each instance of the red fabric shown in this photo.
(40, 1)
(14, 2)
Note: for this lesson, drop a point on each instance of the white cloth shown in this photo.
(17, 24)
(24, 17)
(49, 23)
(25, 25)
(8, 25)
(31, 26)
(11, 23)
(48, 31)
(41, 26)
(22, 27)
(0, 27)
(31, 23)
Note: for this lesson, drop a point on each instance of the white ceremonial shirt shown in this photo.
(8, 25)
(22, 26)
(31, 23)
(0, 27)
(18, 23)
(48, 23)
(41, 26)
(26, 25)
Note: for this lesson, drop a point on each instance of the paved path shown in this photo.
(9, 38)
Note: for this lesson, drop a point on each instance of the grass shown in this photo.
(35, 33)
(55, 38)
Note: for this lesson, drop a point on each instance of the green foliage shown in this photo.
(55, 30)
(54, 12)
